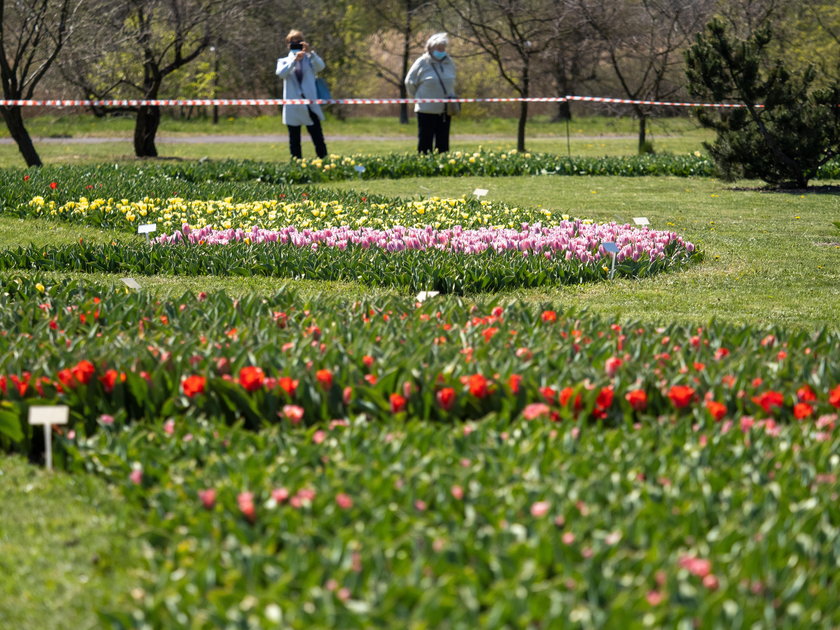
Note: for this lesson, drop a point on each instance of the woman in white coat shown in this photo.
(432, 76)
(298, 70)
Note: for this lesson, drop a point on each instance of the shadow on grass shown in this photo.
(827, 189)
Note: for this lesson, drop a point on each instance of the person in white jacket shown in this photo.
(432, 76)
(298, 70)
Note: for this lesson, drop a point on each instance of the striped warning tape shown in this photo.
(240, 102)
(627, 101)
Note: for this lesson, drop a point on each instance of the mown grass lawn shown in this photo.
(63, 550)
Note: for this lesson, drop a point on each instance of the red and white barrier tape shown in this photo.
(240, 102)
(627, 101)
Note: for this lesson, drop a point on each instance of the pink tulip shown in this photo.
(540, 508)
(208, 498)
(344, 501)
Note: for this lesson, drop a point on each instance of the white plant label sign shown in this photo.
(48, 416)
(131, 283)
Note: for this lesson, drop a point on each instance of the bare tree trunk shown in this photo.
(564, 112)
(145, 129)
(520, 131)
(523, 106)
(642, 131)
(14, 121)
(405, 61)
(403, 106)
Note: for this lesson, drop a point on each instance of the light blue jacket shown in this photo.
(311, 65)
(422, 82)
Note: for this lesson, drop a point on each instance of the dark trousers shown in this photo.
(315, 132)
(433, 132)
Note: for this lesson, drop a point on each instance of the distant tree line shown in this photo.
(635, 49)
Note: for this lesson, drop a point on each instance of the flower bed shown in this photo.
(304, 213)
(253, 181)
(469, 267)
(571, 240)
(279, 361)
(379, 523)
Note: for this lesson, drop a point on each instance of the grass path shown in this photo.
(61, 552)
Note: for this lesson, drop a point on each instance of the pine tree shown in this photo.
(786, 128)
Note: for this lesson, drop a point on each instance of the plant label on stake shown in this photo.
(131, 283)
(612, 248)
(641, 221)
(480, 192)
(359, 169)
(48, 416)
(146, 228)
(425, 295)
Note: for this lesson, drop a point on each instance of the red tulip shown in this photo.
(834, 397)
(324, 378)
(769, 400)
(83, 371)
(637, 399)
(566, 396)
(446, 398)
(398, 403)
(681, 395)
(288, 385)
(251, 378)
(548, 394)
(806, 394)
(478, 386)
(193, 385)
(605, 398)
(110, 379)
(716, 409)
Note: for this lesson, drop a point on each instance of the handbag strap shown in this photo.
(300, 81)
(443, 87)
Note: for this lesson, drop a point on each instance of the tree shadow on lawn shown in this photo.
(827, 189)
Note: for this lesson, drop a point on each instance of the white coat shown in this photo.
(422, 82)
(312, 64)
